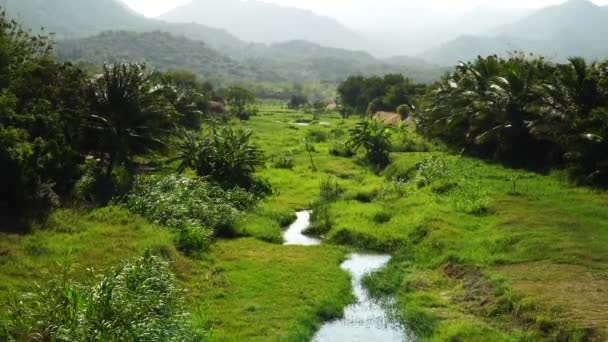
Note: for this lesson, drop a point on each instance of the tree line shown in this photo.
(522, 110)
(68, 134)
(525, 111)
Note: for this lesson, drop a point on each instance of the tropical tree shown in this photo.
(41, 110)
(130, 114)
(238, 100)
(189, 97)
(228, 157)
(375, 138)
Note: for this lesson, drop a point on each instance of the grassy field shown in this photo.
(243, 289)
(481, 251)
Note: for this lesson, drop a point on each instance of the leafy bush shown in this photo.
(430, 169)
(394, 189)
(284, 160)
(228, 156)
(470, 197)
(331, 190)
(317, 136)
(135, 302)
(341, 149)
(193, 239)
(191, 206)
(374, 137)
(404, 110)
(382, 217)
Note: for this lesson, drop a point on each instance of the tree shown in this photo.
(130, 115)
(41, 110)
(228, 157)
(190, 98)
(297, 101)
(238, 99)
(375, 138)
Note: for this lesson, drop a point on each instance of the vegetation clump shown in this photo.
(375, 138)
(197, 210)
(138, 301)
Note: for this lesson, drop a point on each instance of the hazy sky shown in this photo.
(338, 8)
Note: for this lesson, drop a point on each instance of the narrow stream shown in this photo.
(366, 320)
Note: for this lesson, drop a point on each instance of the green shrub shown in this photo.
(193, 240)
(284, 160)
(189, 206)
(375, 138)
(341, 149)
(365, 197)
(317, 136)
(135, 302)
(382, 217)
(470, 197)
(228, 157)
(404, 110)
(430, 169)
(94, 187)
(331, 190)
(394, 189)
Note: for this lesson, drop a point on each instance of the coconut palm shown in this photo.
(130, 116)
(228, 156)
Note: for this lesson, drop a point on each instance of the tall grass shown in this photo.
(135, 302)
(197, 210)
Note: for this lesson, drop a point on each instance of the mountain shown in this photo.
(288, 61)
(575, 18)
(574, 28)
(417, 30)
(163, 51)
(257, 21)
(71, 19)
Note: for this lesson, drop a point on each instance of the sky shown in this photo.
(350, 8)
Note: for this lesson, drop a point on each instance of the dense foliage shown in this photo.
(227, 156)
(375, 138)
(42, 105)
(135, 302)
(197, 210)
(371, 94)
(65, 134)
(525, 111)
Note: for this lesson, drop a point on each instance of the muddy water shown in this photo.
(364, 321)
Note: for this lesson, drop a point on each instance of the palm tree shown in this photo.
(228, 156)
(130, 116)
(375, 138)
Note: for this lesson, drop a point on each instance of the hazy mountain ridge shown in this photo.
(574, 28)
(276, 63)
(257, 21)
(163, 51)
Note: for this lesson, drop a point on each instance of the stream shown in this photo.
(366, 320)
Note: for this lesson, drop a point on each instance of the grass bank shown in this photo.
(473, 241)
(241, 289)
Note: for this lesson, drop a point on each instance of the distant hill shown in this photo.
(163, 51)
(71, 19)
(289, 61)
(574, 28)
(262, 22)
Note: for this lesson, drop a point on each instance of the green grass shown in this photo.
(242, 288)
(271, 292)
(479, 215)
(472, 243)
